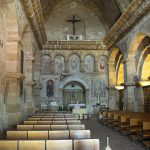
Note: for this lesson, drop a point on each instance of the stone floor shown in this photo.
(117, 141)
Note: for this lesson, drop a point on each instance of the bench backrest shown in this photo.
(32, 145)
(86, 144)
(80, 134)
(58, 135)
(59, 145)
(8, 145)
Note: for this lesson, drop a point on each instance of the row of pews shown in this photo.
(50, 131)
(135, 125)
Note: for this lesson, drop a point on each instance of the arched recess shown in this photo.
(142, 63)
(78, 81)
(116, 79)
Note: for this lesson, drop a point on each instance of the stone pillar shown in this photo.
(66, 65)
(82, 65)
(129, 96)
(12, 98)
(29, 100)
(112, 93)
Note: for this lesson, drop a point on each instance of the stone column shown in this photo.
(29, 101)
(129, 96)
(66, 65)
(12, 98)
(112, 93)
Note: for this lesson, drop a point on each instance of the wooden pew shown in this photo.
(42, 127)
(86, 144)
(34, 119)
(44, 122)
(24, 127)
(73, 122)
(46, 119)
(59, 122)
(32, 145)
(59, 127)
(8, 145)
(58, 135)
(30, 122)
(59, 145)
(17, 135)
(76, 127)
(80, 134)
(37, 135)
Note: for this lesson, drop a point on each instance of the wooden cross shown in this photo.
(74, 21)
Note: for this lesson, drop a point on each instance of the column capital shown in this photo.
(14, 75)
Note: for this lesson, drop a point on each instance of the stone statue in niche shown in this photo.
(89, 64)
(50, 88)
(74, 63)
(102, 63)
(59, 64)
(45, 64)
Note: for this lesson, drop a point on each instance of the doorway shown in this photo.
(74, 92)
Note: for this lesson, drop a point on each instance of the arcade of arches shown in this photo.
(70, 51)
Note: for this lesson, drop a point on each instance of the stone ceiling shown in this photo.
(108, 11)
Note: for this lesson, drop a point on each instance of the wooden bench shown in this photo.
(32, 145)
(17, 135)
(59, 122)
(37, 135)
(30, 122)
(59, 127)
(76, 127)
(8, 145)
(24, 127)
(86, 144)
(58, 135)
(73, 122)
(44, 122)
(80, 134)
(59, 145)
(42, 127)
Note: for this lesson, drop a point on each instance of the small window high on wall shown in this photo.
(21, 70)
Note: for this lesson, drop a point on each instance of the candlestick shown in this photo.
(108, 145)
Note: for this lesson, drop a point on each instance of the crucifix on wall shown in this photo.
(74, 21)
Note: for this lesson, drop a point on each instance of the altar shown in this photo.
(76, 106)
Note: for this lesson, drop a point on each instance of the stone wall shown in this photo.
(58, 28)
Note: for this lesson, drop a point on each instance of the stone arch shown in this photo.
(136, 42)
(75, 79)
(72, 78)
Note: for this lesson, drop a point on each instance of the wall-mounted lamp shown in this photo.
(1, 43)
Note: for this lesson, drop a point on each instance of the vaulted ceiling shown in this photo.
(108, 11)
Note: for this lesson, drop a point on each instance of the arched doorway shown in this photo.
(74, 92)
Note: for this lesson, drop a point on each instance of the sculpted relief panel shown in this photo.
(59, 64)
(89, 64)
(74, 63)
(45, 64)
(102, 64)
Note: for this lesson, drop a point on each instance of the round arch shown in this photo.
(68, 80)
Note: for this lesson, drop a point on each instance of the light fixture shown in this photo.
(144, 83)
(119, 87)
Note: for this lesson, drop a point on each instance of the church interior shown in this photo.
(74, 74)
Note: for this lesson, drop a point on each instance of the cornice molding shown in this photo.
(34, 14)
(129, 18)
